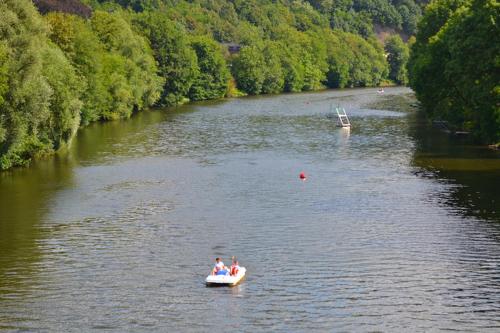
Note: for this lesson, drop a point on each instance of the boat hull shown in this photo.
(225, 280)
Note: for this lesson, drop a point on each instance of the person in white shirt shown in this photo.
(219, 268)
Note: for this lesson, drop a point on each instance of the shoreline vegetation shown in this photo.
(454, 67)
(67, 63)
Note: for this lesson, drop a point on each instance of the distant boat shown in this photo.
(380, 91)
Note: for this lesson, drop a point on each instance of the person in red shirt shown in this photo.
(235, 267)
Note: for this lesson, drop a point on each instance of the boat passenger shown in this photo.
(235, 267)
(219, 268)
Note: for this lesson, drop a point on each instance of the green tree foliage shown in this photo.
(4, 70)
(115, 64)
(397, 57)
(410, 13)
(354, 62)
(65, 104)
(425, 65)
(248, 70)
(25, 114)
(258, 69)
(356, 15)
(303, 58)
(351, 21)
(177, 61)
(136, 5)
(61, 71)
(306, 18)
(134, 83)
(84, 49)
(381, 11)
(4, 87)
(274, 80)
(300, 57)
(339, 67)
(455, 66)
(213, 77)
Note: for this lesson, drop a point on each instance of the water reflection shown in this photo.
(121, 233)
(101, 141)
(475, 170)
(24, 202)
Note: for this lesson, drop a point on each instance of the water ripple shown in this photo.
(370, 242)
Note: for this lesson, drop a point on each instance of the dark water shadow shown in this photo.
(24, 203)
(474, 169)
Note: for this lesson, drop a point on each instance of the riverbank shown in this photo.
(409, 103)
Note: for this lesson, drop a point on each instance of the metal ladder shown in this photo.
(343, 119)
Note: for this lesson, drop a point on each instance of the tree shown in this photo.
(453, 79)
(4, 86)
(248, 70)
(274, 80)
(86, 52)
(397, 57)
(353, 22)
(475, 76)
(410, 13)
(212, 80)
(65, 103)
(177, 61)
(4, 70)
(354, 62)
(26, 105)
(115, 65)
(338, 75)
(137, 84)
(380, 11)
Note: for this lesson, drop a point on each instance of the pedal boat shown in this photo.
(225, 280)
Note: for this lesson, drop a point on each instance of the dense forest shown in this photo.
(66, 63)
(455, 65)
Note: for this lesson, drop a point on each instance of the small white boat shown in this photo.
(226, 280)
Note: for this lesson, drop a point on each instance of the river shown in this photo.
(397, 227)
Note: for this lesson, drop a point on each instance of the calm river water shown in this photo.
(397, 227)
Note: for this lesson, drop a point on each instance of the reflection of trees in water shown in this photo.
(479, 195)
(121, 137)
(474, 169)
(24, 201)
(26, 194)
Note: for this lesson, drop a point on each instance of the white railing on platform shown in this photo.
(343, 119)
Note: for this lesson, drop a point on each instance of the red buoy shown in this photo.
(302, 175)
